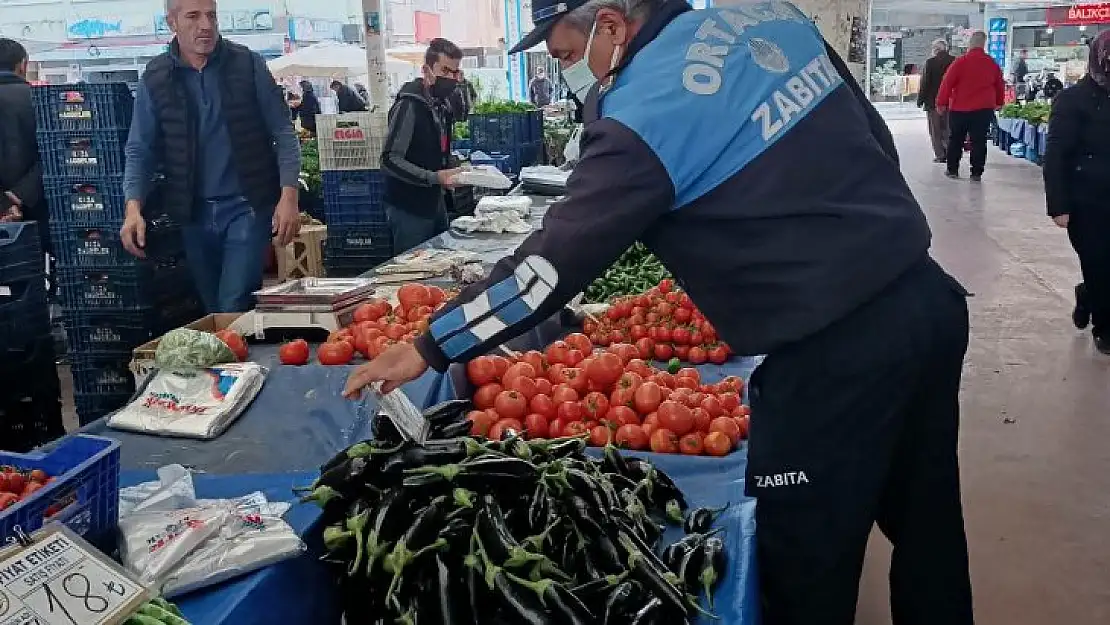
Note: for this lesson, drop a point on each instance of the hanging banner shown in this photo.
(997, 36)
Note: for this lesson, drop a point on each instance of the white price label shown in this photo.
(61, 580)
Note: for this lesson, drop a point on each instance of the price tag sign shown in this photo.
(59, 579)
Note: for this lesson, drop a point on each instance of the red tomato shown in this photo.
(638, 331)
(664, 441)
(543, 405)
(570, 411)
(601, 436)
(486, 396)
(16, 483)
(564, 393)
(596, 405)
(664, 379)
(576, 428)
(519, 370)
(8, 500)
(575, 378)
(718, 354)
(701, 420)
(605, 369)
(652, 420)
(663, 351)
(630, 380)
(647, 398)
(676, 417)
(666, 285)
(645, 348)
(480, 422)
(535, 359)
(535, 426)
(524, 386)
(689, 383)
(727, 426)
(500, 365)
(698, 356)
(38, 475)
(682, 352)
(713, 406)
(745, 424)
(579, 341)
(681, 336)
(235, 343)
(640, 367)
(717, 444)
(732, 383)
(632, 437)
(511, 405)
(627, 353)
(622, 415)
(367, 312)
(623, 397)
(557, 353)
(339, 353)
(729, 401)
(395, 331)
(556, 428)
(294, 353)
(544, 386)
(436, 295)
(414, 294)
(4, 482)
(418, 313)
(503, 427)
(693, 444)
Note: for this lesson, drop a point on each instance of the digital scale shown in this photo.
(325, 303)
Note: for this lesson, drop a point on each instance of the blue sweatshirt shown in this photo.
(216, 174)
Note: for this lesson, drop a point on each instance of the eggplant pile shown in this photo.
(470, 531)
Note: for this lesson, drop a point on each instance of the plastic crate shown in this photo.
(82, 154)
(33, 417)
(353, 198)
(501, 131)
(140, 286)
(83, 106)
(351, 141)
(511, 160)
(366, 240)
(120, 331)
(21, 255)
(103, 374)
(24, 315)
(91, 406)
(85, 487)
(90, 201)
(100, 246)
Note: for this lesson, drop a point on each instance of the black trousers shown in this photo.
(858, 425)
(977, 125)
(1089, 231)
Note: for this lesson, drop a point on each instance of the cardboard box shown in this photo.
(142, 358)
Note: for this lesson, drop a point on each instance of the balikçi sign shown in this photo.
(1079, 14)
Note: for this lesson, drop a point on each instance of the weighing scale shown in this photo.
(325, 303)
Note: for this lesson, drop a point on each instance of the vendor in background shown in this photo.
(810, 248)
(1052, 87)
(310, 107)
(294, 102)
(459, 105)
(1021, 70)
(417, 150)
(360, 89)
(348, 101)
(210, 117)
(935, 69)
(21, 192)
(540, 89)
(1077, 183)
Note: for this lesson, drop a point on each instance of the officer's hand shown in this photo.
(1062, 220)
(133, 233)
(447, 177)
(287, 221)
(399, 364)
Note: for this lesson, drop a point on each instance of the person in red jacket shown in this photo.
(972, 90)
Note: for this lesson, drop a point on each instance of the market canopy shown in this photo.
(329, 59)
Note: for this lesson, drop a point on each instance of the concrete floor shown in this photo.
(1036, 402)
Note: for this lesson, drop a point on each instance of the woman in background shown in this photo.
(310, 107)
(1077, 183)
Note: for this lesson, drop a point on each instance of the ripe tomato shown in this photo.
(574, 378)
(556, 428)
(596, 405)
(666, 285)
(601, 436)
(664, 379)
(645, 348)
(630, 380)
(718, 354)
(647, 398)
(511, 405)
(235, 343)
(632, 437)
(681, 336)
(535, 359)
(500, 365)
(414, 294)
(557, 353)
(535, 426)
(732, 383)
(663, 351)
(676, 417)
(544, 386)
(652, 420)
(579, 341)
(339, 353)
(717, 444)
(480, 422)
(697, 355)
(543, 405)
(622, 415)
(729, 401)
(503, 427)
(713, 406)
(519, 370)
(294, 353)
(728, 427)
(682, 352)
(564, 393)
(683, 314)
(664, 441)
(693, 444)
(745, 424)
(16, 483)
(38, 475)
(480, 371)
(640, 367)
(525, 386)
(395, 331)
(701, 420)
(575, 358)
(486, 395)
(605, 369)
(576, 428)
(570, 411)
(623, 397)
(367, 312)
(626, 352)
(689, 383)
(5, 484)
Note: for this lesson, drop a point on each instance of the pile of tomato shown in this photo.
(611, 396)
(16, 485)
(377, 324)
(662, 323)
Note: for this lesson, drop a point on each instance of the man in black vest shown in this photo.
(209, 115)
(418, 148)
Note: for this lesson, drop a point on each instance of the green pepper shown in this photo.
(674, 366)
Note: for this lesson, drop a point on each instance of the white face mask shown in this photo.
(579, 78)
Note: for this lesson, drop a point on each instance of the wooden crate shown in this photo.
(304, 257)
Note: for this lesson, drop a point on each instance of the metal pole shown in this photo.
(373, 24)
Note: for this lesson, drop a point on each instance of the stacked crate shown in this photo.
(511, 140)
(30, 395)
(112, 302)
(354, 186)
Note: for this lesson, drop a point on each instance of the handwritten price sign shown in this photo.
(61, 580)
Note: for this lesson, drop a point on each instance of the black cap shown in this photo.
(544, 15)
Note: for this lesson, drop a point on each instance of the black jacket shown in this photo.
(418, 145)
(1077, 156)
(349, 101)
(252, 144)
(935, 69)
(20, 167)
(309, 109)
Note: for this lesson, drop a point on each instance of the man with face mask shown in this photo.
(734, 143)
(417, 149)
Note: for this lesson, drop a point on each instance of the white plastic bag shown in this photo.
(485, 176)
(155, 542)
(518, 204)
(573, 149)
(173, 491)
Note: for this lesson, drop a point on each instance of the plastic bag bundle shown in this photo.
(183, 349)
(155, 542)
(494, 204)
(485, 176)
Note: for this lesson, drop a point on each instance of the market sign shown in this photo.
(1078, 15)
(997, 33)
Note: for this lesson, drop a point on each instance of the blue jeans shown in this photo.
(410, 230)
(226, 248)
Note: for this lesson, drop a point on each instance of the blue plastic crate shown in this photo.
(89, 201)
(84, 494)
(358, 241)
(510, 161)
(82, 154)
(103, 374)
(21, 255)
(140, 286)
(85, 106)
(353, 198)
(496, 159)
(32, 417)
(24, 315)
(461, 145)
(100, 246)
(116, 331)
(500, 131)
(91, 406)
